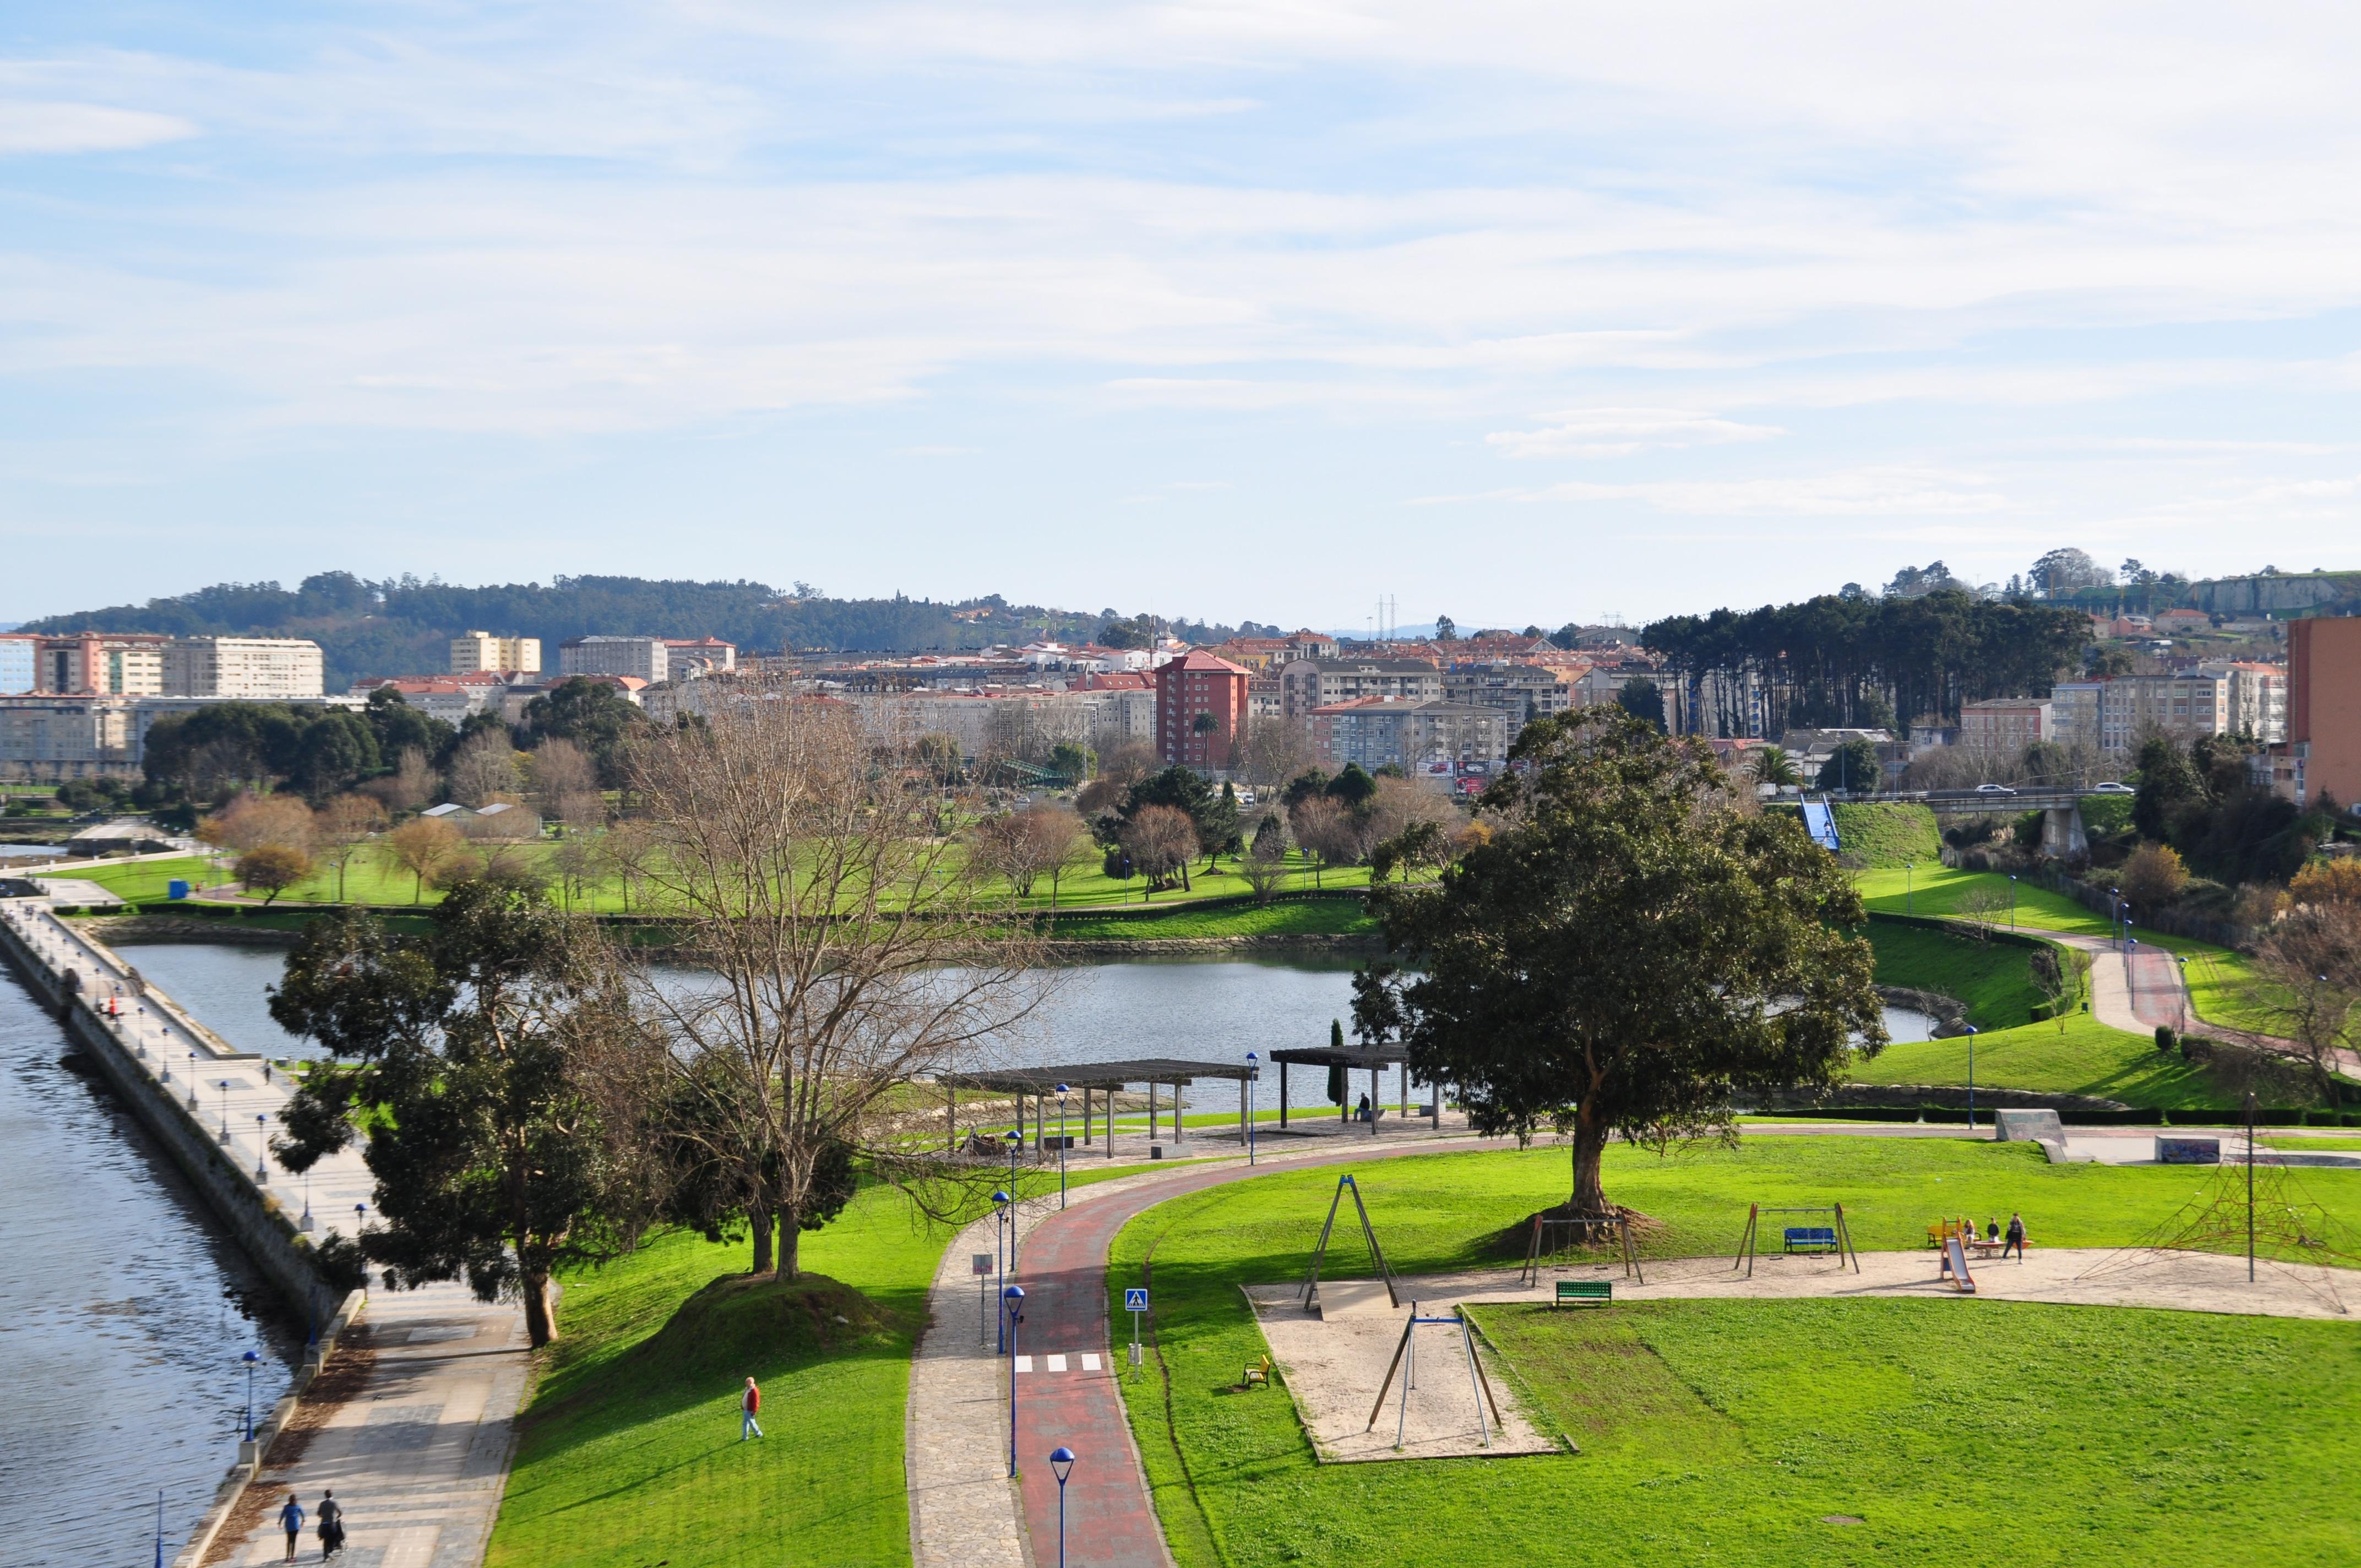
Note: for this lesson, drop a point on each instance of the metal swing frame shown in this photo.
(1320, 1253)
(1477, 1383)
(1536, 1259)
(1846, 1251)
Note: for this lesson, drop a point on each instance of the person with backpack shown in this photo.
(750, 1404)
(290, 1520)
(2015, 1236)
(332, 1526)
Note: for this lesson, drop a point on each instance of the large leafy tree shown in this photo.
(492, 1061)
(1630, 950)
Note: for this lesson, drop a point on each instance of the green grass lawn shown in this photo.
(628, 1453)
(2084, 1056)
(1994, 979)
(1888, 833)
(1721, 1433)
(1309, 917)
(140, 882)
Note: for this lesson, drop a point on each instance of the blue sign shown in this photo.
(1135, 1300)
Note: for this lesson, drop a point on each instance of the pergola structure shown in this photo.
(1352, 1059)
(1040, 1085)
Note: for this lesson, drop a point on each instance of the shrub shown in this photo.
(2154, 877)
(2328, 882)
(2164, 1039)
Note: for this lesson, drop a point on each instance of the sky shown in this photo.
(1516, 312)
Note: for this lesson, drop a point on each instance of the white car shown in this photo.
(1994, 789)
(2111, 787)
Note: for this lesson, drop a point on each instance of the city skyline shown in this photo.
(1663, 312)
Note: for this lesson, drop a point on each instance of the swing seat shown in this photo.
(1586, 1293)
(1811, 1238)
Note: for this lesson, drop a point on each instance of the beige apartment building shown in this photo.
(1307, 684)
(2006, 725)
(255, 669)
(99, 664)
(474, 650)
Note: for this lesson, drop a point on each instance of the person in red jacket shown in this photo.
(749, 1405)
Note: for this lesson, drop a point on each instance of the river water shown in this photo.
(124, 1310)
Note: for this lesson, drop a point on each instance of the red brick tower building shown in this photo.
(1198, 684)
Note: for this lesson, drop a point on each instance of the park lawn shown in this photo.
(628, 1451)
(2075, 1055)
(1888, 833)
(2218, 977)
(2092, 1423)
(1301, 916)
(1995, 979)
(2319, 1145)
(141, 882)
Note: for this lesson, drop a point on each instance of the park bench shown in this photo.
(1811, 1238)
(1586, 1293)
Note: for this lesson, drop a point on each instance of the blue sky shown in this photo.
(1516, 312)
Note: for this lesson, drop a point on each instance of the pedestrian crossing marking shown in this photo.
(1089, 1362)
(1056, 1364)
(1023, 1364)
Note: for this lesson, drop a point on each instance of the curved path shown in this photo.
(2137, 992)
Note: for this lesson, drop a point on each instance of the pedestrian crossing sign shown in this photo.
(1135, 1300)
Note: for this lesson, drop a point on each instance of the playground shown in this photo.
(1785, 1363)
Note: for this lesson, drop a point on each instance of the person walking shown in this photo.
(332, 1526)
(290, 1520)
(749, 1405)
(2015, 1236)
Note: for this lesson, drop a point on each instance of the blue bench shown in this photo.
(1811, 1238)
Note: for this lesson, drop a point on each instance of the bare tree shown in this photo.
(249, 822)
(853, 951)
(1264, 865)
(485, 770)
(1274, 750)
(1161, 840)
(1070, 845)
(423, 845)
(561, 772)
(2308, 983)
(1326, 830)
(412, 784)
(341, 827)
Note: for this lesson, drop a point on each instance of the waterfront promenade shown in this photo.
(411, 1423)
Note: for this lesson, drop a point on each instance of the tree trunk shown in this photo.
(539, 1326)
(1589, 1196)
(760, 1219)
(790, 1239)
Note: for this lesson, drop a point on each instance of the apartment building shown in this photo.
(252, 669)
(99, 664)
(1196, 688)
(19, 662)
(2006, 725)
(2321, 752)
(475, 651)
(1308, 683)
(688, 658)
(647, 659)
(53, 737)
(1415, 735)
(2258, 697)
(1522, 691)
(2074, 714)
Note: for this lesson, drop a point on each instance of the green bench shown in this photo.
(1586, 1293)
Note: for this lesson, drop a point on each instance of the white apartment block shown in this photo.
(2259, 698)
(255, 669)
(1522, 691)
(1307, 684)
(98, 665)
(474, 650)
(53, 739)
(645, 658)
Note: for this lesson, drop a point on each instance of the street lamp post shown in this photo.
(1971, 1078)
(2131, 974)
(2012, 901)
(1013, 1301)
(1254, 1075)
(1909, 887)
(1061, 1465)
(252, 1360)
(223, 1086)
(261, 1147)
(1062, 1092)
(1015, 1141)
(1000, 1213)
(193, 1081)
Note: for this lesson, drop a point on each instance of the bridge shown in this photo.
(2060, 807)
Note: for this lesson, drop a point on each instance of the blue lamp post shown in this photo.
(252, 1360)
(1061, 1465)
(1909, 887)
(2012, 901)
(1062, 1092)
(1000, 1212)
(1012, 1303)
(1254, 1072)
(2131, 971)
(1015, 1141)
(262, 1147)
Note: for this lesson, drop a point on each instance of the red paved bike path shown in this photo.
(1110, 1522)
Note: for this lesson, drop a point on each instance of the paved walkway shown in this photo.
(412, 1420)
(2148, 988)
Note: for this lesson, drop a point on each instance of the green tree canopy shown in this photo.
(1632, 950)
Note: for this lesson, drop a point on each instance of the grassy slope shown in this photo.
(1995, 981)
(2076, 1055)
(1889, 833)
(2049, 1419)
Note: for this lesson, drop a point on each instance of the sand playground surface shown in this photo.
(1333, 1358)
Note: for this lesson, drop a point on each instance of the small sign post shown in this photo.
(981, 1263)
(1134, 1302)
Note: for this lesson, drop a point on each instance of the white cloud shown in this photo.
(31, 126)
(1619, 432)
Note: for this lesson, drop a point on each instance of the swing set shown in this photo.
(1553, 1242)
(1829, 1240)
(1320, 1253)
(1477, 1384)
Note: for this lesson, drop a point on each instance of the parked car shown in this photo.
(2111, 787)
(1994, 789)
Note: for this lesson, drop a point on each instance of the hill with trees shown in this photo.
(402, 626)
